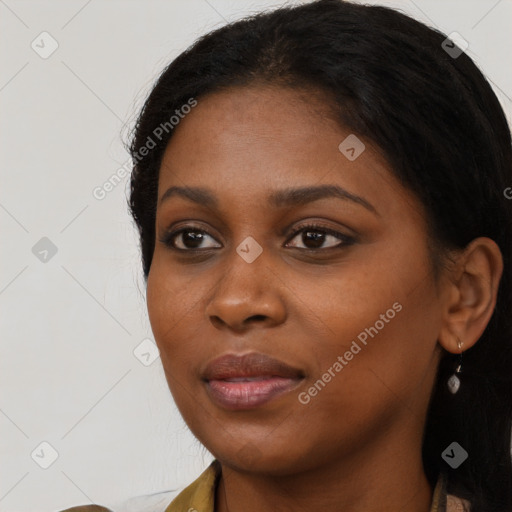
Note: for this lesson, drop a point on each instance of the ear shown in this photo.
(471, 294)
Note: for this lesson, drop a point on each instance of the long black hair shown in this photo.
(436, 119)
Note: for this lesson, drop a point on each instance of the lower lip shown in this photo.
(249, 394)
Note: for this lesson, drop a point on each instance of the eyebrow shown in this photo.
(282, 198)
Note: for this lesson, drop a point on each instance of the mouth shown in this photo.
(238, 382)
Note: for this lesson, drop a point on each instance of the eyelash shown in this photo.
(345, 240)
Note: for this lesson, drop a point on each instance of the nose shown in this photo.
(247, 294)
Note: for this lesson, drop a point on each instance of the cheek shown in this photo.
(161, 311)
(381, 319)
(169, 296)
(173, 305)
(348, 400)
(167, 308)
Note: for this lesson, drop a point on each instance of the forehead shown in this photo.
(270, 122)
(246, 142)
(253, 129)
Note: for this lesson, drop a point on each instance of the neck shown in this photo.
(381, 477)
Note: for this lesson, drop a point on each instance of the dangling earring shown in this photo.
(454, 381)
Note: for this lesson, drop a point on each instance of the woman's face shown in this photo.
(350, 305)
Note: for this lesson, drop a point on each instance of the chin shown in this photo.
(250, 459)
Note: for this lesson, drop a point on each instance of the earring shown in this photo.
(454, 381)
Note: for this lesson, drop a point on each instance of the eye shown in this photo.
(314, 236)
(187, 239)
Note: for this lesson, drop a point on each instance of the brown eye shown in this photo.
(187, 239)
(314, 237)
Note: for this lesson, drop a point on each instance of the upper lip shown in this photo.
(253, 364)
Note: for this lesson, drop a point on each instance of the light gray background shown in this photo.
(70, 325)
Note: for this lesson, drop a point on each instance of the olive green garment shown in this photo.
(199, 496)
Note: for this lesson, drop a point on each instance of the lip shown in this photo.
(249, 380)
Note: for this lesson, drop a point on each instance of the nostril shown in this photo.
(257, 317)
(217, 321)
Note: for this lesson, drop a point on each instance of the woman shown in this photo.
(320, 193)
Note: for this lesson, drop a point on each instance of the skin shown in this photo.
(356, 446)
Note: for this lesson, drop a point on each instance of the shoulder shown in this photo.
(456, 504)
(143, 503)
(199, 495)
(444, 502)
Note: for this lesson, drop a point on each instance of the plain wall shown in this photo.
(71, 321)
